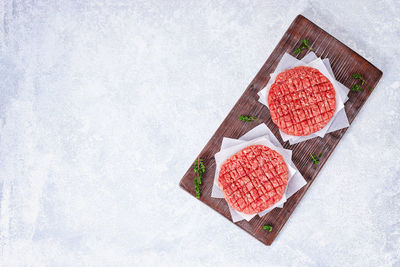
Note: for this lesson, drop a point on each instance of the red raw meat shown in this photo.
(301, 101)
(253, 179)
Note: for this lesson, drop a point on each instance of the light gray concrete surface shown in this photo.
(104, 104)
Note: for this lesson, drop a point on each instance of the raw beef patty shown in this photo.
(301, 101)
(253, 179)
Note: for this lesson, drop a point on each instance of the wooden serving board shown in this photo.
(344, 62)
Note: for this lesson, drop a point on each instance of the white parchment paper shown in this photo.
(339, 119)
(258, 135)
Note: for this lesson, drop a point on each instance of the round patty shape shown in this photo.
(253, 179)
(301, 101)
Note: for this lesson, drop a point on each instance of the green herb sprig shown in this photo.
(315, 158)
(247, 118)
(361, 81)
(197, 188)
(356, 87)
(304, 45)
(360, 77)
(267, 227)
(199, 169)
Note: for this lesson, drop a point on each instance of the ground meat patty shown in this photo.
(253, 179)
(301, 101)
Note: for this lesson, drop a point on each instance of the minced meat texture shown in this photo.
(253, 179)
(301, 101)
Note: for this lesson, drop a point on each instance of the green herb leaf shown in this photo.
(196, 188)
(304, 45)
(267, 227)
(370, 88)
(314, 158)
(356, 87)
(198, 168)
(247, 118)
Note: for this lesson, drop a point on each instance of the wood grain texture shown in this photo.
(344, 63)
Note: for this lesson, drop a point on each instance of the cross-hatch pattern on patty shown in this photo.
(253, 179)
(301, 101)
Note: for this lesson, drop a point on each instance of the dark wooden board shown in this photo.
(344, 63)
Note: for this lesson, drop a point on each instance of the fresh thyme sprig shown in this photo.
(360, 77)
(247, 118)
(358, 86)
(199, 169)
(197, 188)
(304, 45)
(267, 227)
(315, 158)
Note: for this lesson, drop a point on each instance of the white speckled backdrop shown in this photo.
(104, 104)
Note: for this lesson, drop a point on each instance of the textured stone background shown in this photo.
(104, 104)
